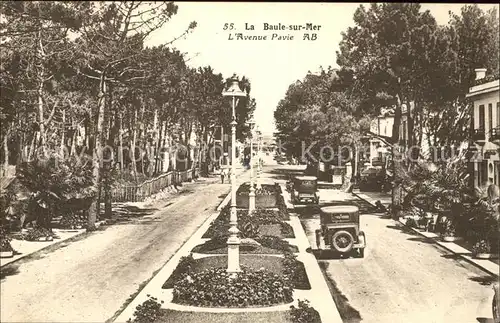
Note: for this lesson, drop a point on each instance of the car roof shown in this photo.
(306, 178)
(340, 209)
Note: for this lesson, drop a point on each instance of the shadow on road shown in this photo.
(421, 239)
(402, 229)
(328, 254)
(485, 320)
(348, 313)
(484, 280)
(8, 271)
(128, 213)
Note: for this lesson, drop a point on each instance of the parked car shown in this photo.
(305, 190)
(372, 179)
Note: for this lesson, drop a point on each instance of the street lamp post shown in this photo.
(251, 195)
(259, 169)
(233, 242)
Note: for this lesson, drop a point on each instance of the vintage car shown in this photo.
(495, 306)
(305, 190)
(372, 179)
(340, 230)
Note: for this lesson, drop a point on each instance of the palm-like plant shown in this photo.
(52, 182)
(442, 188)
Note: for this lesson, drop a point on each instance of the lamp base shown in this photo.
(233, 255)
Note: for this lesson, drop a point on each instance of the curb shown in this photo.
(446, 246)
(154, 286)
(319, 287)
(9, 261)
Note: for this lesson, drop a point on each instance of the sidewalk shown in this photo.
(484, 264)
(25, 248)
(372, 197)
(91, 278)
(318, 295)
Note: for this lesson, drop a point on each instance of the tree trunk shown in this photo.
(132, 147)
(120, 152)
(159, 150)
(6, 150)
(63, 132)
(113, 120)
(41, 118)
(96, 156)
(396, 188)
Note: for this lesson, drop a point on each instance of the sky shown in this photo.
(271, 65)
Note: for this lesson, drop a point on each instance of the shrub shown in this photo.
(4, 240)
(147, 312)
(265, 189)
(183, 269)
(249, 230)
(294, 270)
(220, 225)
(482, 246)
(72, 221)
(410, 223)
(304, 313)
(215, 288)
(36, 233)
(274, 243)
(287, 230)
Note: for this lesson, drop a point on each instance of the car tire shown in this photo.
(342, 241)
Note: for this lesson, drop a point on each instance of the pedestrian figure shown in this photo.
(222, 175)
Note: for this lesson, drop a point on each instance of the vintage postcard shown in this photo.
(222, 162)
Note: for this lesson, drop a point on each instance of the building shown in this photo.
(486, 129)
(382, 126)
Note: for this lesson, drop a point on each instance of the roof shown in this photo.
(340, 209)
(306, 178)
(483, 88)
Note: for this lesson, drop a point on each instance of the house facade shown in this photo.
(382, 126)
(485, 132)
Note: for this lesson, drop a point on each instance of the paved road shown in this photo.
(402, 278)
(90, 279)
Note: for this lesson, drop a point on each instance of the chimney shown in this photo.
(480, 73)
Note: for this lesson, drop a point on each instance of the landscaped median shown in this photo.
(195, 287)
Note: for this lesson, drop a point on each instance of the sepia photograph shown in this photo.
(249, 162)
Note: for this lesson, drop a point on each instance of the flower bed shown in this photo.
(268, 245)
(151, 311)
(288, 266)
(265, 197)
(259, 218)
(266, 189)
(250, 288)
(39, 234)
(261, 201)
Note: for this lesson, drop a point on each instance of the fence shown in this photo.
(137, 193)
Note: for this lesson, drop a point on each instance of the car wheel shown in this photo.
(494, 307)
(342, 241)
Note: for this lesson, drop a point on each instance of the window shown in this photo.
(490, 116)
(498, 114)
(481, 117)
